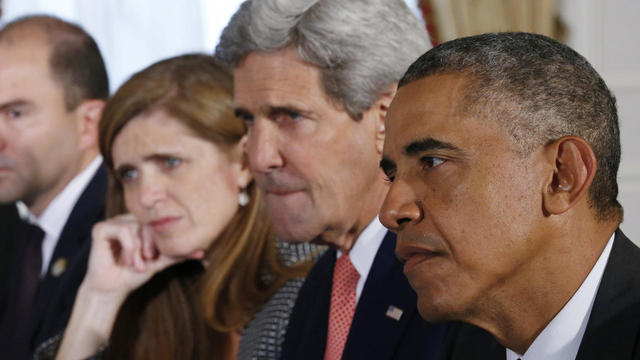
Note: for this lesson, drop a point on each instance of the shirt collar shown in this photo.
(365, 248)
(364, 251)
(561, 338)
(54, 217)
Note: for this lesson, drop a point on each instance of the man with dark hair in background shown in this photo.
(312, 81)
(502, 151)
(53, 86)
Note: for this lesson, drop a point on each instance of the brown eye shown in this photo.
(431, 161)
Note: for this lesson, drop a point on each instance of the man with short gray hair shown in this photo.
(313, 81)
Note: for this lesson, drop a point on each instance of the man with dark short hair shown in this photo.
(312, 82)
(502, 151)
(53, 86)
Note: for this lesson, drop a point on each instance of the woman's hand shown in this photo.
(123, 257)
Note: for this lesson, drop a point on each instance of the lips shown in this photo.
(6, 163)
(164, 224)
(414, 256)
(281, 192)
(280, 184)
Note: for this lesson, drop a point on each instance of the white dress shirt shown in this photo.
(364, 251)
(54, 217)
(560, 339)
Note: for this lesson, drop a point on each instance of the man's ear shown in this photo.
(88, 115)
(574, 168)
(381, 106)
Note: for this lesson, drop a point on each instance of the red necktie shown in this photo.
(343, 305)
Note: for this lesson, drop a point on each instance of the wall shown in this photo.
(606, 33)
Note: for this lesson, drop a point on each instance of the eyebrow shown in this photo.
(271, 110)
(157, 156)
(242, 113)
(14, 103)
(286, 109)
(426, 144)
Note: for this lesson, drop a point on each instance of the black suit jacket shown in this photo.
(56, 292)
(373, 335)
(613, 330)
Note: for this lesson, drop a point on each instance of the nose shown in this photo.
(151, 190)
(263, 147)
(400, 207)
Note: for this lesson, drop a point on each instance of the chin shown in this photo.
(433, 315)
(436, 310)
(295, 232)
(173, 249)
(291, 237)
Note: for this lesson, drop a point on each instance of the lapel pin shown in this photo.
(394, 313)
(59, 267)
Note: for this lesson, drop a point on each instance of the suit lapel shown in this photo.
(385, 289)
(9, 222)
(88, 210)
(308, 325)
(614, 323)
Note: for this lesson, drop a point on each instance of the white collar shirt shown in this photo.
(364, 251)
(55, 216)
(560, 339)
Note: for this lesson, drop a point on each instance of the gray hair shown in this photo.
(540, 90)
(361, 47)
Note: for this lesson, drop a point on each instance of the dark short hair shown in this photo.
(75, 60)
(540, 90)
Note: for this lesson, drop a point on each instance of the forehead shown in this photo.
(24, 67)
(432, 108)
(276, 78)
(148, 132)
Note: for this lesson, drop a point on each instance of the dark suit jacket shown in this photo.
(56, 294)
(613, 330)
(373, 335)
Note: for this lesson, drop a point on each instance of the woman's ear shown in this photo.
(575, 166)
(244, 172)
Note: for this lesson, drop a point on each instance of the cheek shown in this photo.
(495, 218)
(214, 201)
(213, 215)
(304, 157)
(131, 203)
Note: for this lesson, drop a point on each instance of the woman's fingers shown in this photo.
(127, 236)
(131, 245)
(149, 251)
(121, 235)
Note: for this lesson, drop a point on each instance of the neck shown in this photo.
(344, 238)
(520, 309)
(38, 204)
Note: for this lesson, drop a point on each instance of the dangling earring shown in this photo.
(243, 197)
